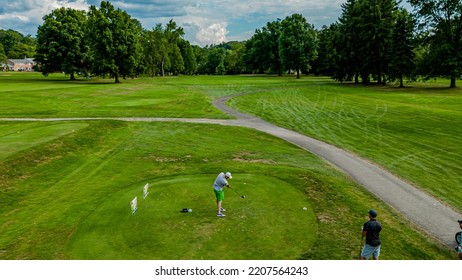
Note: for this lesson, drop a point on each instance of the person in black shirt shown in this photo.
(371, 230)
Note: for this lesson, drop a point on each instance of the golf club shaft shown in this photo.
(237, 192)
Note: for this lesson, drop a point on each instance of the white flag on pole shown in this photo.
(134, 205)
(145, 190)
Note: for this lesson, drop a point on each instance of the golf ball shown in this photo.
(189, 210)
(304, 208)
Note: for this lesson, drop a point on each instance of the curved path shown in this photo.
(428, 213)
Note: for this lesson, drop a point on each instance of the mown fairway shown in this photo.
(66, 186)
(55, 96)
(414, 132)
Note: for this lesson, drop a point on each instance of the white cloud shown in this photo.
(204, 21)
(14, 18)
(203, 25)
(210, 21)
(213, 34)
(26, 15)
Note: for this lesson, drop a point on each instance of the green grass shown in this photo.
(20, 136)
(65, 189)
(69, 198)
(255, 227)
(31, 95)
(414, 132)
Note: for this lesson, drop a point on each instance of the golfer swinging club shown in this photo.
(220, 182)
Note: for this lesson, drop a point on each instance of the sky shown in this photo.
(205, 22)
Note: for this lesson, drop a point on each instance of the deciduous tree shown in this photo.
(2, 54)
(16, 45)
(375, 24)
(62, 44)
(115, 42)
(346, 43)
(155, 47)
(402, 62)
(262, 50)
(297, 43)
(442, 21)
(190, 65)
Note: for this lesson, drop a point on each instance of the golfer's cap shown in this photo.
(460, 221)
(372, 213)
(228, 175)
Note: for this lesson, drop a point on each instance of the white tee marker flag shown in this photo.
(145, 190)
(134, 205)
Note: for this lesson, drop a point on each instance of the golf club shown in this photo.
(242, 196)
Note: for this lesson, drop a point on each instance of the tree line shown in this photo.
(373, 41)
(15, 45)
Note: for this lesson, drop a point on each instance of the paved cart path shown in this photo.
(428, 213)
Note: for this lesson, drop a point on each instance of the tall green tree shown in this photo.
(297, 43)
(22, 50)
(201, 55)
(3, 57)
(402, 47)
(162, 49)
(441, 20)
(375, 25)
(216, 60)
(262, 50)
(152, 48)
(257, 53)
(346, 44)
(16, 45)
(10, 39)
(174, 34)
(234, 58)
(62, 44)
(273, 30)
(325, 63)
(115, 42)
(176, 60)
(190, 64)
(363, 40)
(156, 49)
